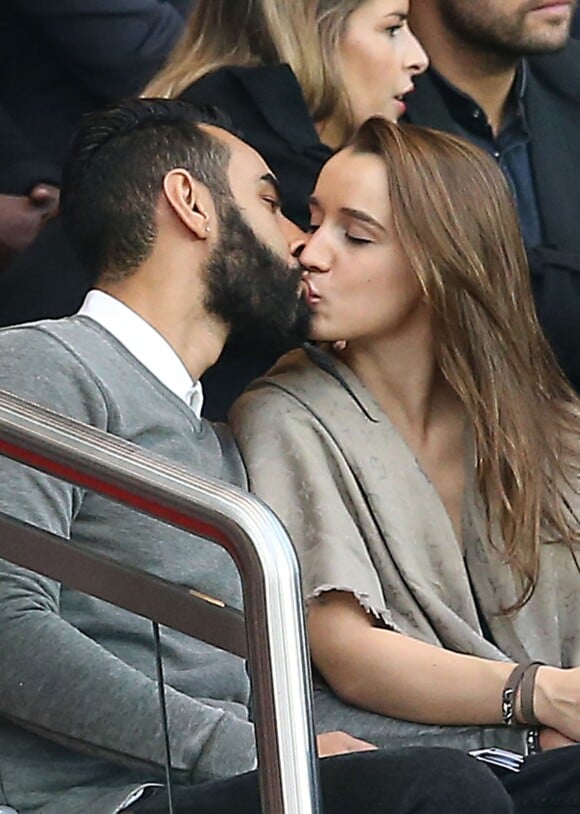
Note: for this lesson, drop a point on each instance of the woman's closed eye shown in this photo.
(356, 240)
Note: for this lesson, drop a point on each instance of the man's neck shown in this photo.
(483, 74)
(196, 337)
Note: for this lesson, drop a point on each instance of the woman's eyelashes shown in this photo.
(357, 241)
(354, 240)
(393, 30)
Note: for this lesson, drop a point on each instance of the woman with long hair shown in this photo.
(425, 459)
(296, 77)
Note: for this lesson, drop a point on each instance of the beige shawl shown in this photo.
(364, 518)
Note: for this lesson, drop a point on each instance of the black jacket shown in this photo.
(60, 59)
(21, 165)
(268, 110)
(552, 102)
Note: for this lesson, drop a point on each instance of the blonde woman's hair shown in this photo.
(454, 215)
(305, 34)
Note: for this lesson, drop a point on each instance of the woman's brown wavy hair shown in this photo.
(454, 214)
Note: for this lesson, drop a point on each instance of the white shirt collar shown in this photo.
(146, 344)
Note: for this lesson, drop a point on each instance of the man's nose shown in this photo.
(293, 234)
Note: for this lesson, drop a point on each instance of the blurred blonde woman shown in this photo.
(296, 78)
(427, 466)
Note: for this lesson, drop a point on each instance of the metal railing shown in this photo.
(274, 634)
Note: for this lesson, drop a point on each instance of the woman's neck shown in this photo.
(403, 376)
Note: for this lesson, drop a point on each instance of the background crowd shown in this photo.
(172, 219)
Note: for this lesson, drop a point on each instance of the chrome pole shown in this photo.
(258, 543)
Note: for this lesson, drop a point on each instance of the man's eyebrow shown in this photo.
(270, 178)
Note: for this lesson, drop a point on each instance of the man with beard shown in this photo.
(180, 223)
(505, 76)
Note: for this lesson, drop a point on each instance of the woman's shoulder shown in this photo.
(306, 385)
(266, 106)
(289, 382)
(259, 99)
(264, 85)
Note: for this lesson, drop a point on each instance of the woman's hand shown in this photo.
(557, 701)
(551, 739)
(340, 743)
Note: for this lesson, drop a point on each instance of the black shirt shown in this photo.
(511, 146)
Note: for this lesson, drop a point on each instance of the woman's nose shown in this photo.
(314, 255)
(417, 59)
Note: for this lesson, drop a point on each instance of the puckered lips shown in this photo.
(310, 293)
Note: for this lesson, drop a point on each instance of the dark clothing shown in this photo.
(510, 148)
(58, 61)
(576, 25)
(21, 166)
(548, 783)
(551, 103)
(407, 781)
(268, 110)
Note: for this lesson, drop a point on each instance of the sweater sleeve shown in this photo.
(54, 679)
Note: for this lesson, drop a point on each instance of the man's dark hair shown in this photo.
(114, 175)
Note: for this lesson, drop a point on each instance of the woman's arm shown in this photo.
(396, 675)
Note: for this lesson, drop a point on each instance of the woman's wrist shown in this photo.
(545, 694)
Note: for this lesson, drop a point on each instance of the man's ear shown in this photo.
(189, 200)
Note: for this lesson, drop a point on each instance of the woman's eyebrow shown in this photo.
(364, 217)
(401, 16)
(350, 212)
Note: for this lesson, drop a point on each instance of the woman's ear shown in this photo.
(190, 201)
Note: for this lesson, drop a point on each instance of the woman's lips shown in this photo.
(401, 106)
(400, 102)
(311, 294)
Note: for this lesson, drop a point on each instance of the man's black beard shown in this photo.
(253, 290)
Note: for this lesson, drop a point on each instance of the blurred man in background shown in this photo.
(505, 76)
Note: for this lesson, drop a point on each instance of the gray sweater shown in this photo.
(80, 726)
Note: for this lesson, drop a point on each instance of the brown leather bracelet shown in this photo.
(508, 695)
(527, 687)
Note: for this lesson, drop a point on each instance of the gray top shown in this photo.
(365, 518)
(81, 726)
